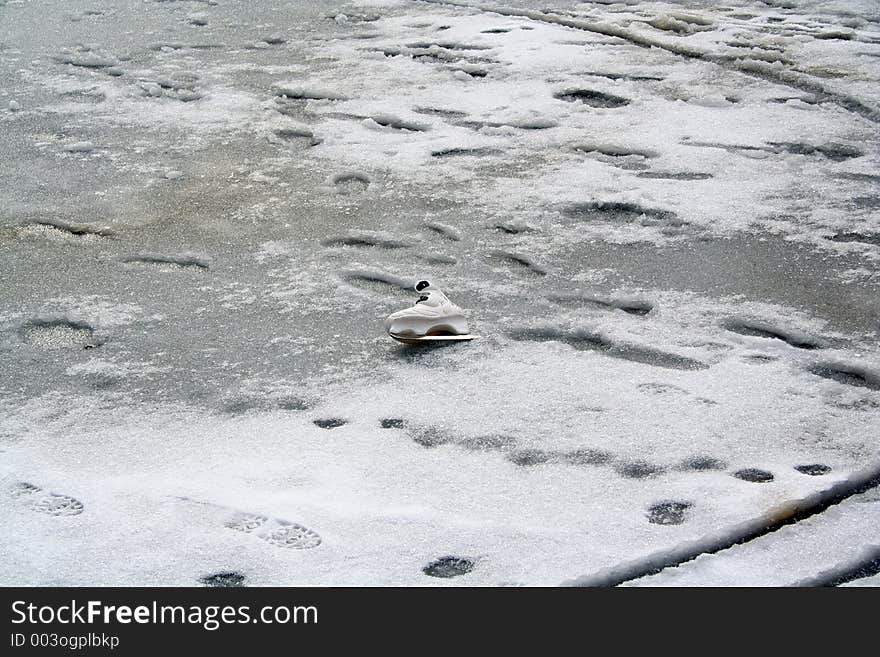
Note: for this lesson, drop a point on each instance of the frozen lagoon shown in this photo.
(210, 207)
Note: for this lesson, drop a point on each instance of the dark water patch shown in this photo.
(833, 151)
(521, 261)
(851, 375)
(754, 475)
(440, 111)
(760, 358)
(59, 333)
(177, 262)
(861, 177)
(446, 45)
(624, 76)
(702, 463)
(629, 306)
(533, 123)
(428, 436)
(373, 279)
(673, 175)
(590, 341)
(464, 152)
(862, 238)
(444, 230)
(496, 30)
(813, 469)
(449, 566)
(586, 457)
(330, 422)
(529, 457)
(761, 329)
(622, 213)
(224, 579)
(242, 404)
(392, 423)
(592, 98)
(864, 202)
(487, 443)
(638, 469)
(358, 238)
(668, 513)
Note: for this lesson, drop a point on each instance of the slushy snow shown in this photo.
(662, 217)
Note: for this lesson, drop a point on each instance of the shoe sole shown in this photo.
(416, 327)
(434, 338)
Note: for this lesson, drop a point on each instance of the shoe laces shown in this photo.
(432, 297)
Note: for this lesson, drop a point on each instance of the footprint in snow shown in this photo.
(280, 533)
(223, 579)
(449, 566)
(43, 501)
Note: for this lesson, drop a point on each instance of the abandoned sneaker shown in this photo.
(432, 314)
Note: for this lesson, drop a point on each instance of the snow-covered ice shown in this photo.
(661, 216)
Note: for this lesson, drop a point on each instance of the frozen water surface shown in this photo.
(663, 218)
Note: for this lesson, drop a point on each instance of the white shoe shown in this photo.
(432, 314)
